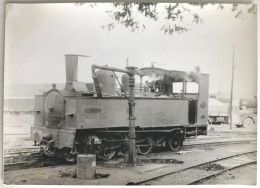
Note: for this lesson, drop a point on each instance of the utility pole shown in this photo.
(231, 93)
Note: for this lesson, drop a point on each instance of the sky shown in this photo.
(37, 36)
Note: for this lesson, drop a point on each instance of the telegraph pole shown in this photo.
(231, 93)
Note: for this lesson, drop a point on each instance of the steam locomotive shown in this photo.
(93, 117)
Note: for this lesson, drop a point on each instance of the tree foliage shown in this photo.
(173, 15)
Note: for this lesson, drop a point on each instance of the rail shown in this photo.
(220, 172)
(192, 167)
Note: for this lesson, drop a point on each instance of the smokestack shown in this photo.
(71, 61)
(71, 70)
(197, 68)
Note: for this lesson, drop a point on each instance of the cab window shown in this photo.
(192, 88)
(177, 87)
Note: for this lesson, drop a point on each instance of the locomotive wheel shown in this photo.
(48, 150)
(174, 142)
(68, 156)
(144, 150)
(107, 154)
(247, 122)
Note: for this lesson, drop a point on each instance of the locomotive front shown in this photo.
(61, 124)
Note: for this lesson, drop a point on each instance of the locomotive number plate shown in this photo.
(92, 110)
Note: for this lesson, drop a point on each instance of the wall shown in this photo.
(18, 116)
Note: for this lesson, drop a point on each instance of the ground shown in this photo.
(152, 165)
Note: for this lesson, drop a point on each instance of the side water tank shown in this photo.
(124, 81)
(107, 82)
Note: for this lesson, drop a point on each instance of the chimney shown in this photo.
(197, 69)
(71, 70)
(71, 61)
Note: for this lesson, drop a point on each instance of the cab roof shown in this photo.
(173, 75)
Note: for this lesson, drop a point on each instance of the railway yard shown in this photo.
(168, 128)
(224, 156)
(129, 93)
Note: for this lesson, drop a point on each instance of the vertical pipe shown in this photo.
(131, 150)
(183, 88)
(2, 42)
(131, 102)
(141, 83)
(231, 93)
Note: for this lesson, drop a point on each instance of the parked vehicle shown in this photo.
(218, 111)
(247, 112)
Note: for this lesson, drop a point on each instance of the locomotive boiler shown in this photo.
(93, 117)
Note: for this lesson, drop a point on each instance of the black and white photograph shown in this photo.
(130, 93)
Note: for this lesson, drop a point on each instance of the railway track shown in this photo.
(220, 172)
(200, 172)
(14, 152)
(25, 163)
(17, 158)
(207, 144)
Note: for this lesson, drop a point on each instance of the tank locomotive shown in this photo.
(93, 117)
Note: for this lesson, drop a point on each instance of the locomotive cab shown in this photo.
(176, 85)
